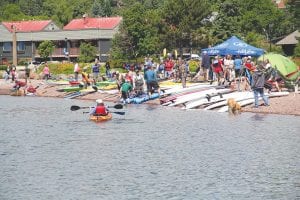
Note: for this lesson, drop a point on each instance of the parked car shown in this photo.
(188, 56)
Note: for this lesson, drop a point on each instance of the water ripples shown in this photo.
(49, 152)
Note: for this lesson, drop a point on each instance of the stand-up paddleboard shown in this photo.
(200, 95)
(189, 97)
(242, 103)
(173, 97)
(238, 96)
(180, 89)
(212, 100)
(250, 100)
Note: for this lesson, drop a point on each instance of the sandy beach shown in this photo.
(286, 105)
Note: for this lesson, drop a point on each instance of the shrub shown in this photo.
(3, 67)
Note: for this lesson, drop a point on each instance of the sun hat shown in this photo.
(99, 101)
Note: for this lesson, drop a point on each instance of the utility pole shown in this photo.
(14, 39)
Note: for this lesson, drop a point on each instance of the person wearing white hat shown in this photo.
(99, 109)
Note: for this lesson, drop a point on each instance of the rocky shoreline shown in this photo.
(286, 105)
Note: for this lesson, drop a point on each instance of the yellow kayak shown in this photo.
(100, 118)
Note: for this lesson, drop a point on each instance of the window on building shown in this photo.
(21, 46)
(7, 47)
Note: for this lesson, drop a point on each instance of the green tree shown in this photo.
(181, 20)
(102, 8)
(297, 50)
(87, 52)
(46, 49)
(138, 33)
(31, 7)
(293, 10)
(12, 12)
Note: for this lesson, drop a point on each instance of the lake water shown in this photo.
(152, 152)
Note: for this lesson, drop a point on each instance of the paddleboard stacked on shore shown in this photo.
(208, 97)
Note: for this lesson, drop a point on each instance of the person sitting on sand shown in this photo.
(100, 109)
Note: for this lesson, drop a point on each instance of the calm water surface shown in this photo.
(153, 152)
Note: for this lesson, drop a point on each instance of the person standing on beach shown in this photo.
(205, 64)
(13, 73)
(258, 86)
(76, 71)
(126, 88)
(107, 69)
(151, 81)
(96, 71)
(46, 72)
(27, 73)
(182, 72)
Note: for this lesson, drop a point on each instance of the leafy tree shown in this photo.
(12, 12)
(181, 19)
(138, 33)
(297, 50)
(45, 49)
(293, 9)
(102, 8)
(31, 7)
(87, 52)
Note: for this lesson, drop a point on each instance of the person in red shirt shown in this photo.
(99, 109)
(169, 64)
(217, 67)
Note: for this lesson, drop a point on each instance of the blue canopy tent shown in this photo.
(234, 46)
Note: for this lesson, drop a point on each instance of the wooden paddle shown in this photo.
(74, 107)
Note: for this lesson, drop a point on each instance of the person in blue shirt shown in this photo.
(96, 71)
(237, 65)
(151, 81)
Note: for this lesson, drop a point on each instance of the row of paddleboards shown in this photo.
(208, 97)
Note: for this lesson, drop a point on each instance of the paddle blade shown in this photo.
(73, 108)
(119, 113)
(118, 106)
(95, 88)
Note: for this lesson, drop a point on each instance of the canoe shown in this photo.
(101, 118)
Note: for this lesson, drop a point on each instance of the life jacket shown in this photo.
(101, 110)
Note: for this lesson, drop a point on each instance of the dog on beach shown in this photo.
(233, 106)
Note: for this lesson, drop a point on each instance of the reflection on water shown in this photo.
(49, 152)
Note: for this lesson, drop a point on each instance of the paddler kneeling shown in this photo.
(99, 109)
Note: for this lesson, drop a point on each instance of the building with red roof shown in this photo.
(96, 31)
(30, 26)
(93, 23)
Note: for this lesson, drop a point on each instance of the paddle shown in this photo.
(74, 107)
(119, 113)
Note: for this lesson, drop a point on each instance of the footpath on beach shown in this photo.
(285, 105)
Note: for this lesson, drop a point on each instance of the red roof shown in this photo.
(93, 23)
(27, 26)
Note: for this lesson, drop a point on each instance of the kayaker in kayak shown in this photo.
(99, 109)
